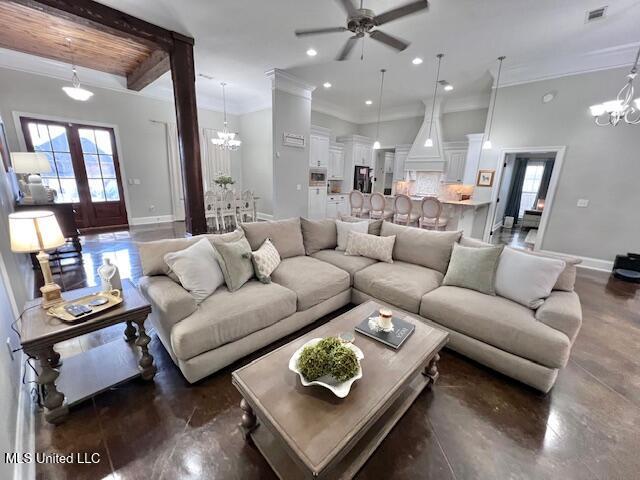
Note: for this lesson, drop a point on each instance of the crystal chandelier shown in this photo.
(623, 107)
(226, 140)
(76, 92)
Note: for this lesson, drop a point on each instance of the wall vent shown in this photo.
(596, 14)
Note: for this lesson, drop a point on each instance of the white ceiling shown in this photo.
(237, 41)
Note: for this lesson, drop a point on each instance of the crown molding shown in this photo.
(464, 104)
(285, 82)
(333, 110)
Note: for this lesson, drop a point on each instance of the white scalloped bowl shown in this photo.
(339, 389)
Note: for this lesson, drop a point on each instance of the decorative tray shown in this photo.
(93, 301)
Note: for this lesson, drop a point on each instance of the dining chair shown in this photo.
(247, 206)
(431, 214)
(356, 202)
(402, 206)
(378, 204)
(211, 208)
(228, 209)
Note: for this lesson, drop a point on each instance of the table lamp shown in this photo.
(32, 164)
(37, 231)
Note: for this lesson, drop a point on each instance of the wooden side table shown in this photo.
(96, 370)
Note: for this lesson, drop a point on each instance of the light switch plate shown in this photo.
(583, 203)
(298, 187)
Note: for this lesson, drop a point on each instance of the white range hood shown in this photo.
(430, 159)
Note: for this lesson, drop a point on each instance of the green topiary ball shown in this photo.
(329, 344)
(314, 362)
(344, 363)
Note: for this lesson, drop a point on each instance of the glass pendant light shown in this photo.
(376, 144)
(76, 92)
(226, 140)
(487, 143)
(429, 142)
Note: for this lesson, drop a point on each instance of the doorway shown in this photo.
(85, 170)
(527, 179)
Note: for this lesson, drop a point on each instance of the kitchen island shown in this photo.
(470, 216)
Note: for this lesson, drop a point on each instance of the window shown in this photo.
(530, 186)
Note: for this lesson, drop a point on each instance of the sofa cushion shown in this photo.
(228, 316)
(374, 224)
(401, 284)
(318, 234)
(286, 235)
(343, 230)
(497, 321)
(312, 280)
(152, 253)
(427, 248)
(348, 263)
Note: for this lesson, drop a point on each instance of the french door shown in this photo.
(84, 169)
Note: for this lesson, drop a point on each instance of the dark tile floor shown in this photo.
(475, 424)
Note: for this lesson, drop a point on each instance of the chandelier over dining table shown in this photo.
(226, 140)
(624, 107)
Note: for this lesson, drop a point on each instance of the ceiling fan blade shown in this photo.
(400, 12)
(393, 42)
(349, 7)
(346, 50)
(319, 31)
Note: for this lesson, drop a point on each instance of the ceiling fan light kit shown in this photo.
(363, 21)
(487, 143)
(76, 92)
(623, 107)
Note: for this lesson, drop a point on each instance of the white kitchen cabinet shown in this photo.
(317, 202)
(343, 205)
(402, 152)
(335, 171)
(337, 205)
(358, 150)
(318, 151)
(456, 160)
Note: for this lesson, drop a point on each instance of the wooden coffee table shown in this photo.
(307, 432)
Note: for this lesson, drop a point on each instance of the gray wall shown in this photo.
(292, 114)
(505, 186)
(143, 153)
(393, 132)
(337, 126)
(257, 157)
(601, 163)
(455, 125)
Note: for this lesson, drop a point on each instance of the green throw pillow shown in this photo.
(235, 261)
(473, 268)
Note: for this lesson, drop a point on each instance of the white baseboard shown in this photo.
(587, 262)
(151, 220)
(25, 426)
(264, 216)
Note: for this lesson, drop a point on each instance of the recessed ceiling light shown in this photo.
(416, 61)
(311, 52)
(326, 85)
(448, 88)
(368, 102)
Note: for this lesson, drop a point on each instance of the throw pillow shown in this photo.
(286, 235)
(370, 246)
(318, 234)
(473, 268)
(196, 269)
(343, 229)
(374, 224)
(527, 279)
(235, 261)
(265, 260)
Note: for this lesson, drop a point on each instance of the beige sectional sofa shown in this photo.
(314, 279)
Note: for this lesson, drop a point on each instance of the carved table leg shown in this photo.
(54, 358)
(53, 399)
(249, 420)
(130, 332)
(431, 370)
(146, 359)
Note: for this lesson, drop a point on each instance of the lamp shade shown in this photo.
(33, 231)
(30, 162)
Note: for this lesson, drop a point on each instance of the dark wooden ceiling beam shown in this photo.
(156, 65)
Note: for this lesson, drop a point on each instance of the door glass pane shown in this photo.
(52, 162)
(87, 140)
(111, 189)
(64, 165)
(52, 183)
(103, 142)
(68, 191)
(108, 169)
(92, 166)
(97, 190)
(39, 137)
(59, 141)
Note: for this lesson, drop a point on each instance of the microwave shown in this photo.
(317, 177)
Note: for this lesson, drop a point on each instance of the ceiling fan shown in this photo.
(361, 21)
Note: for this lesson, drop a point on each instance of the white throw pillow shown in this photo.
(265, 260)
(343, 229)
(371, 246)
(526, 279)
(197, 269)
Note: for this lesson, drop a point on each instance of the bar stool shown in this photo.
(402, 207)
(356, 202)
(378, 204)
(431, 214)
